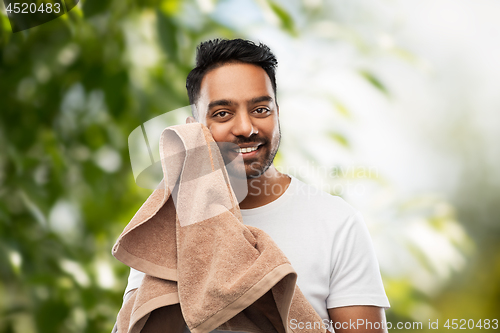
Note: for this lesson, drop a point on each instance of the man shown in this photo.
(233, 93)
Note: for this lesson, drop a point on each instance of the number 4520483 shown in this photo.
(24, 8)
(462, 324)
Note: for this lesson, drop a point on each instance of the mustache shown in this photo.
(252, 139)
(226, 148)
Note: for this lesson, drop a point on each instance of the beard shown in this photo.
(250, 168)
(255, 169)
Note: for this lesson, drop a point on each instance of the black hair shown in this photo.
(217, 52)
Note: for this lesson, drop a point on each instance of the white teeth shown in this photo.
(247, 150)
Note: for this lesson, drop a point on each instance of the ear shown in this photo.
(190, 120)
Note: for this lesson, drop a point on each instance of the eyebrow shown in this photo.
(220, 102)
(227, 102)
(256, 100)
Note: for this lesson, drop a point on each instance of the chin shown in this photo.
(256, 173)
(253, 176)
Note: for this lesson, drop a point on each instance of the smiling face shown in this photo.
(238, 105)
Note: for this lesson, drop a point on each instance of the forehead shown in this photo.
(238, 82)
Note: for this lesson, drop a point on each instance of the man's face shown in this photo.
(237, 104)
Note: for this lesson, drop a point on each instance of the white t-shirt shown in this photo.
(327, 243)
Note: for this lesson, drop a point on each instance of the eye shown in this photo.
(262, 110)
(220, 114)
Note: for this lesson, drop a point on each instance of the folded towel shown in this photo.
(204, 268)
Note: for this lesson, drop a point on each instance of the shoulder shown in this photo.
(319, 204)
(318, 198)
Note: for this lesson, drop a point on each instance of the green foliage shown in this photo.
(71, 92)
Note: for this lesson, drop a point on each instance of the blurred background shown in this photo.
(391, 104)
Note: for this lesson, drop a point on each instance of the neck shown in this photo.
(265, 189)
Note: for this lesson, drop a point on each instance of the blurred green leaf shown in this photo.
(341, 108)
(286, 19)
(170, 7)
(374, 81)
(339, 138)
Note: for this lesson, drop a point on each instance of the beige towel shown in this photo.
(204, 267)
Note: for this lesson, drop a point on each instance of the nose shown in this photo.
(243, 125)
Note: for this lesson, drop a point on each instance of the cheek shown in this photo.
(271, 128)
(219, 132)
